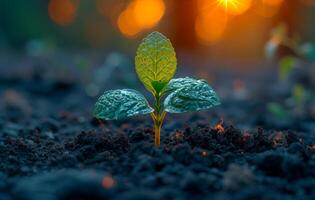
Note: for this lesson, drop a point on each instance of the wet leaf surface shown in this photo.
(192, 95)
(120, 104)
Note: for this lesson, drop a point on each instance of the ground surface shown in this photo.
(52, 148)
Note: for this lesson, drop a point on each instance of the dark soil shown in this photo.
(51, 148)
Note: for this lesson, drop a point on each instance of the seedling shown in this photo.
(281, 38)
(301, 51)
(156, 65)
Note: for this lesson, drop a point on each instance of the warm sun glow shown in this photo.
(140, 15)
(267, 8)
(126, 25)
(210, 26)
(235, 7)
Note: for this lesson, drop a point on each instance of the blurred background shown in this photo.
(63, 46)
(217, 28)
(104, 34)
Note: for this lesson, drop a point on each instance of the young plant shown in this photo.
(156, 65)
(281, 38)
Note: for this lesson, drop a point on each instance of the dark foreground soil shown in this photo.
(51, 148)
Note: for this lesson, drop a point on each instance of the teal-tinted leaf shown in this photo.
(191, 97)
(178, 83)
(155, 60)
(308, 51)
(120, 104)
(286, 65)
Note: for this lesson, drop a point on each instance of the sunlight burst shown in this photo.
(235, 7)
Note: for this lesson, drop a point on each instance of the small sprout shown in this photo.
(280, 37)
(156, 65)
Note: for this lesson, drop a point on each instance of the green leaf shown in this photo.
(286, 65)
(191, 97)
(155, 60)
(120, 104)
(158, 86)
(178, 83)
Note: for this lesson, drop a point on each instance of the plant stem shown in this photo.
(157, 135)
(158, 118)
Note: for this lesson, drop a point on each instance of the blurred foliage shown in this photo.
(203, 28)
(300, 94)
(286, 65)
(277, 110)
(295, 70)
(22, 21)
(308, 50)
(280, 37)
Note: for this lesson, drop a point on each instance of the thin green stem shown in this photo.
(158, 118)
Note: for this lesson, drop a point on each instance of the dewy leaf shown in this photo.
(178, 83)
(155, 60)
(120, 104)
(193, 97)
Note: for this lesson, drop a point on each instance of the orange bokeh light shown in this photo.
(147, 13)
(235, 7)
(140, 15)
(62, 12)
(126, 25)
(210, 26)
